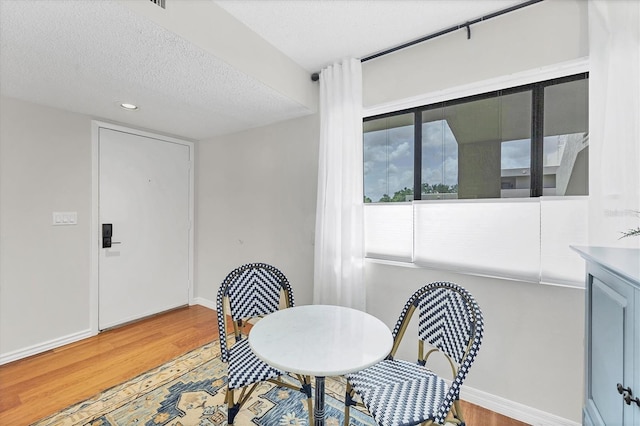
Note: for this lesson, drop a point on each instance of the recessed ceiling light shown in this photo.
(130, 107)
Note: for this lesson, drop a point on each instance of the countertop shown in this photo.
(624, 262)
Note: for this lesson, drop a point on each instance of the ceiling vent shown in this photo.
(159, 3)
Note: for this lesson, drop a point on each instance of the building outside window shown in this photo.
(528, 141)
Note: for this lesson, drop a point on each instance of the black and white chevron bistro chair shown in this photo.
(402, 393)
(249, 292)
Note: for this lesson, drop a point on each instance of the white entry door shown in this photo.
(143, 192)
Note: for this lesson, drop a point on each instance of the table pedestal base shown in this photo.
(318, 409)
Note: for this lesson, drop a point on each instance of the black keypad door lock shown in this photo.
(107, 234)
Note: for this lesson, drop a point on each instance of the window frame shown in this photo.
(537, 126)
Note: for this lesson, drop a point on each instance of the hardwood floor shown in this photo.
(35, 387)
(38, 386)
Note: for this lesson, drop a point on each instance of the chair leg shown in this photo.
(232, 408)
(232, 413)
(348, 402)
(457, 412)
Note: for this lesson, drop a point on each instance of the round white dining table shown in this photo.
(320, 341)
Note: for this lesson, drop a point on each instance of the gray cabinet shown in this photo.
(612, 337)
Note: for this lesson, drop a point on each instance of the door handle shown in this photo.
(627, 393)
(107, 233)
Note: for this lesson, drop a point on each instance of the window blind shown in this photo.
(525, 239)
(388, 231)
(486, 237)
(563, 222)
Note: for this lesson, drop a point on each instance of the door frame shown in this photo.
(95, 241)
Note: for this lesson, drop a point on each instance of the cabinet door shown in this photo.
(610, 353)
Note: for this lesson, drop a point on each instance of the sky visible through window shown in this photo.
(388, 157)
(388, 161)
(515, 154)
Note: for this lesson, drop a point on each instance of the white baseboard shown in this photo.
(204, 302)
(513, 409)
(8, 357)
(42, 347)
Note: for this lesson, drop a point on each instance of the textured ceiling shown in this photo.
(88, 56)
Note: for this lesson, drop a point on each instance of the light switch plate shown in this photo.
(65, 218)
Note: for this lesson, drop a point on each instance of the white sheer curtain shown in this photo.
(339, 247)
(614, 121)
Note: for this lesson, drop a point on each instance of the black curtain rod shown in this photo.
(451, 29)
(316, 76)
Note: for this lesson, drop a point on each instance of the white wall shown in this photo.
(533, 350)
(255, 202)
(45, 166)
(543, 34)
(532, 353)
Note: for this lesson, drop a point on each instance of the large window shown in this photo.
(491, 185)
(527, 141)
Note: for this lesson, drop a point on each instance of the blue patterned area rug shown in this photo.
(190, 391)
